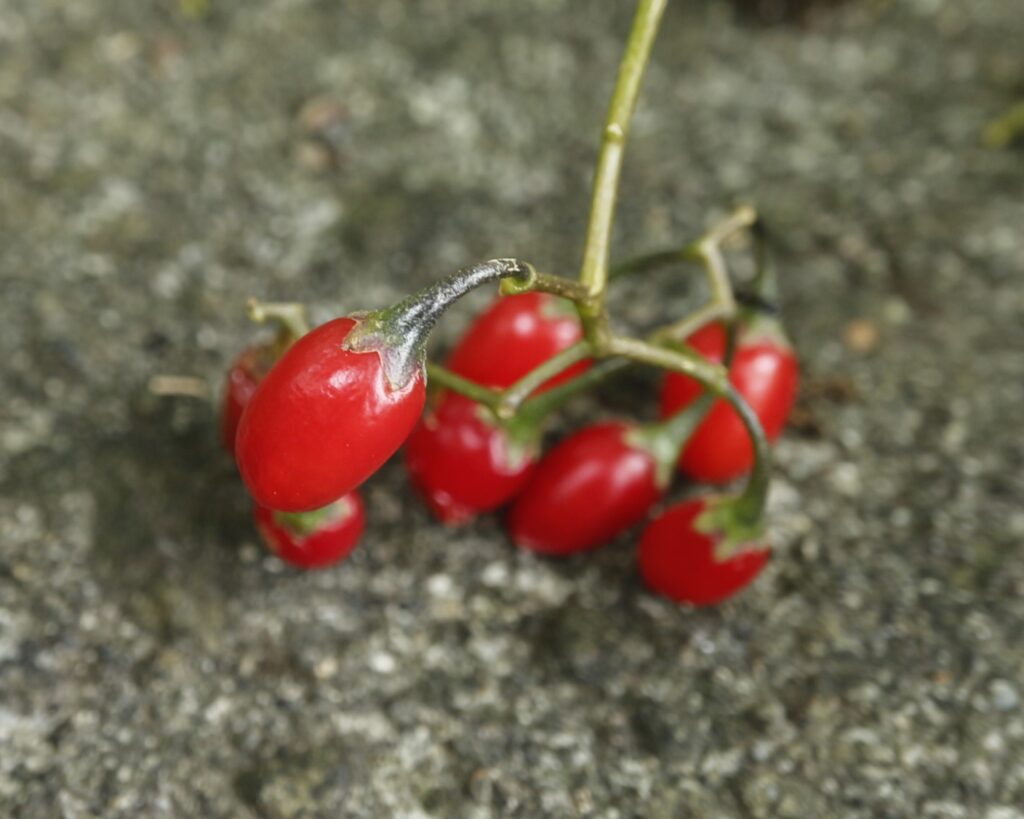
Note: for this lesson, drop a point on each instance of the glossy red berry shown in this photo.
(322, 421)
(242, 379)
(764, 371)
(459, 460)
(312, 540)
(515, 335)
(678, 560)
(592, 486)
(462, 463)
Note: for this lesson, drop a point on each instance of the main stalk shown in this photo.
(596, 251)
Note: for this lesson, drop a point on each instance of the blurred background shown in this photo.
(161, 162)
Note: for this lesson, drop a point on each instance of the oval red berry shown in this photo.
(242, 380)
(678, 561)
(462, 463)
(515, 335)
(765, 372)
(588, 489)
(322, 421)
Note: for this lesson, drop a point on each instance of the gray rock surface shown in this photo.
(156, 169)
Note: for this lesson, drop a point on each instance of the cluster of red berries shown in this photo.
(308, 429)
(313, 416)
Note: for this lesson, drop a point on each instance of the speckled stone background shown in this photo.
(156, 168)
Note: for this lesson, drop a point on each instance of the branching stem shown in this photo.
(519, 407)
(290, 316)
(594, 270)
(513, 397)
(750, 504)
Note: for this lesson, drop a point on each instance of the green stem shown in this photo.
(687, 326)
(665, 440)
(594, 270)
(750, 505)
(545, 283)
(718, 277)
(513, 397)
(487, 396)
(290, 316)
(528, 411)
(515, 401)
(540, 406)
(744, 216)
(527, 422)
(709, 250)
(677, 430)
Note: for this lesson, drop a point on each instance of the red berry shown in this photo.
(323, 420)
(242, 379)
(459, 460)
(764, 371)
(592, 486)
(678, 560)
(312, 540)
(515, 335)
(462, 463)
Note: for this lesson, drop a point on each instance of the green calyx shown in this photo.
(377, 332)
(665, 441)
(754, 326)
(522, 436)
(305, 524)
(731, 522)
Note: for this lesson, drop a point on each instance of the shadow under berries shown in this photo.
(169, 510)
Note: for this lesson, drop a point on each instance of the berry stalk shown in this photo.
(399, 333)
(747, 510)
(594, 269)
